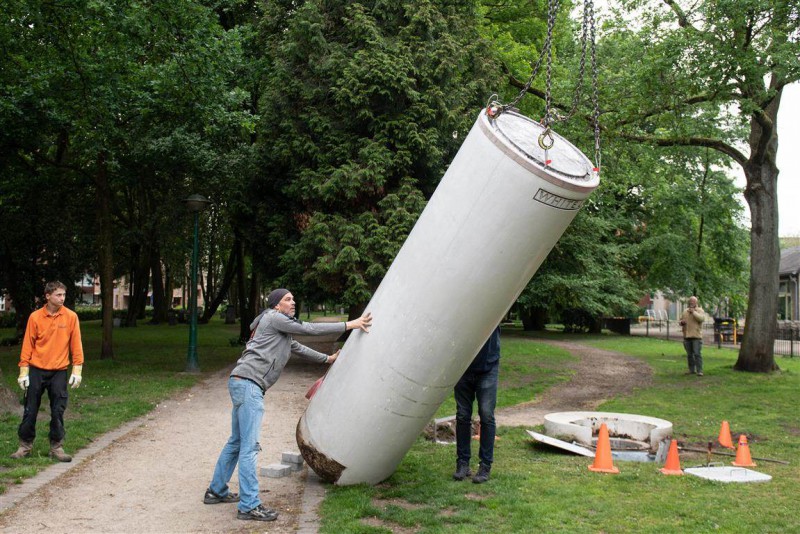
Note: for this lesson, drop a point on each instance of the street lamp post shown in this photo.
(195, 204)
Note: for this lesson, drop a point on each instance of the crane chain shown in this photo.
(551, 116)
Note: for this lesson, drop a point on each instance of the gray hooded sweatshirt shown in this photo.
(271, 344)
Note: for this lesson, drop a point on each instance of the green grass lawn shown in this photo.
(533, 488)
(538, 489)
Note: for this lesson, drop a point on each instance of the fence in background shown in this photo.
(721, 332)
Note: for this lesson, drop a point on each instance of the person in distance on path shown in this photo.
(259, 367)
(692, 323)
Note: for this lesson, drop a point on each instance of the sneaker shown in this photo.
(699, 373)
(259, 513)
(212, 498)
(482, 475)
(462, 471)
(689, 372)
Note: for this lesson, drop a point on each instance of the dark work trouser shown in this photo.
(55, 383)
(483, 388)
(694, 356)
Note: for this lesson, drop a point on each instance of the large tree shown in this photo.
(364, 106)
(653, 210)
(711, 75)
(133, 105)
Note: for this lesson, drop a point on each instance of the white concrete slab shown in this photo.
(728, 474)
(570, 447)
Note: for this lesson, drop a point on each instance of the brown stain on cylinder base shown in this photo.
(326, 468)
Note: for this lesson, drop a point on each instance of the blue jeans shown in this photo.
(242, 447)
(483, 387)
(693, 354)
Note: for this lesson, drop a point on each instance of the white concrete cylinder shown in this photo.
(491, 222)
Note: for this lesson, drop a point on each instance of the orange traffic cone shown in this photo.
(673, 463)
(603, 463)
(725, 435)
(743, 454)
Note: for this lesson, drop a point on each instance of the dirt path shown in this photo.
(152, 479)
(150, 476)
(599, 375)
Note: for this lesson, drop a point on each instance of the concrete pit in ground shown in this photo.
(632, 436)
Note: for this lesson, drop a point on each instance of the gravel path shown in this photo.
(149, 477)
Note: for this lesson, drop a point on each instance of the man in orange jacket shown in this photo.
(52, 336)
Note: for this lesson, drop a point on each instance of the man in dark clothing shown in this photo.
(478, 382)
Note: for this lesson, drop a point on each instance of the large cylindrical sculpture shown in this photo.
(498, 211)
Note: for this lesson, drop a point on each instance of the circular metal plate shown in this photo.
(563, 159)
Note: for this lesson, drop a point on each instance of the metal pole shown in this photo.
(191, 358)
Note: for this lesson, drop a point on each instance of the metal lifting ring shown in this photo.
(493, 107)
(588, 47)
(545, 136)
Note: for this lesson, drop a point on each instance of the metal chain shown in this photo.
(589, 6)
(588, 40)
(552, 11)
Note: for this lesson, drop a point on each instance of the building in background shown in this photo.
(787, 289)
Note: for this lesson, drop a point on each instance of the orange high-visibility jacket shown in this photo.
(50, 339)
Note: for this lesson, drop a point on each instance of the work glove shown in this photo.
(24, 380)
(75, 379)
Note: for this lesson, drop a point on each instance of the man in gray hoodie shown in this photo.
(262, 362)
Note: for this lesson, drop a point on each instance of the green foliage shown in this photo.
(367, 102)
(710, 75)
(138, 96)
(659, 220)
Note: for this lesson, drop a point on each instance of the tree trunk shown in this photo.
(22, 296)
(757, 351)
(533, 319)
(241, 283)
(133, 286)
(105, 257)
(761, 193)
(160, 303)
(209, 288)
(139, 303)
(222, 289)
(23, 310)
(252, 308)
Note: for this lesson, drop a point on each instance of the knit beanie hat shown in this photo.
(275, 297)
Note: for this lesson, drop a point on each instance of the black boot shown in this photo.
(482, 475)
(462, 471)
